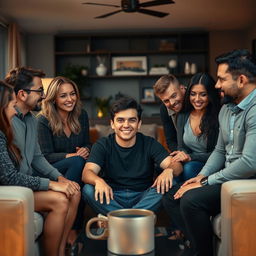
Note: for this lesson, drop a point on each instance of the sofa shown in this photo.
(20, 226)
(235, 227)
(154, 130)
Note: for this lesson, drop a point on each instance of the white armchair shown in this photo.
(20, 227)
(236, 229)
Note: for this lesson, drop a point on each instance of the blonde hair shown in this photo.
(49, 109)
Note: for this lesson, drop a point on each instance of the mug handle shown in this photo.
(88, 226)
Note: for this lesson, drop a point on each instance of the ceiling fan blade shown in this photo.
(156, 2)
(111, 5)
(107, 14)
(153, 13)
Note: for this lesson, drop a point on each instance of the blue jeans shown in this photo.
(190, 170)
(148, 199)
(72, 168)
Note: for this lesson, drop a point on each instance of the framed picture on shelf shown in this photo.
(129, 66)
(148, 95)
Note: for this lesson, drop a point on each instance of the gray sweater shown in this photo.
(33, 162)
(234, 154)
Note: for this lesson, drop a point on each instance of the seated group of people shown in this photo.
(51, 153)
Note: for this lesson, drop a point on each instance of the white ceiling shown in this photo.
(53, 16)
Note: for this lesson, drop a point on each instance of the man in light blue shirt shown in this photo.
(192, 204)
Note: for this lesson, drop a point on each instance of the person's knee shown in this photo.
(189, 201)
(77, 162)
(60, 202)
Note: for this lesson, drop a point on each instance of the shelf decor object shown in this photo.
(148, 95)
(129, 66)
(101, 69)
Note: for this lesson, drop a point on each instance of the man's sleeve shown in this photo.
(98, 153)
(42, 166)
(169, 129)
(158, 152)
(244, 166)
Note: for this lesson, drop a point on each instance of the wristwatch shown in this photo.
(204, 181)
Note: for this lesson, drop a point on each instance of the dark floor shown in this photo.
(163, 247)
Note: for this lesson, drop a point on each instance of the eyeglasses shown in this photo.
(40, 90)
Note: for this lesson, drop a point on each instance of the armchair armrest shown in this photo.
(238, 218)
(16, 225)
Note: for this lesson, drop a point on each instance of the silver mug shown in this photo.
(129, 231)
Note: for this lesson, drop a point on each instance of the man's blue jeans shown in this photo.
(123, 199)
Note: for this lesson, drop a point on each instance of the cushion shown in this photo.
(146, 129)
(103, 130)
(38, 224)
(216, 223)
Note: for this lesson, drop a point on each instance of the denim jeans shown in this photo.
(190, 170)
(72, 168)
(123, 199)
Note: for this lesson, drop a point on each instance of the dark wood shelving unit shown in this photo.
(83, 49)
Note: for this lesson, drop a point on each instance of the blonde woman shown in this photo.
(63, 130)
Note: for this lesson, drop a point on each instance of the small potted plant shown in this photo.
(103, 105)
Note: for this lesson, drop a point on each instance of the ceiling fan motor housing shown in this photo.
(129, 5)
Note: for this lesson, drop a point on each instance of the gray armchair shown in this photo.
(20, 227)
(235, 229)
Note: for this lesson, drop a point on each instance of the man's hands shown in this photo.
(180, 156)
(68, 187)
(164, 181)
(101, 189)
(83, 152)
(189, 184)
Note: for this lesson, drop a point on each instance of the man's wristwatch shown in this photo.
(204, 181)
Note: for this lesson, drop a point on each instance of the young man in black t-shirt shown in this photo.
(126, 161)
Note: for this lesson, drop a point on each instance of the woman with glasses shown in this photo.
(63, 130)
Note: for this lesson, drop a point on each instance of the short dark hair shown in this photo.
(240, 62)
(163, 83)
(22, 78)
(125, 103)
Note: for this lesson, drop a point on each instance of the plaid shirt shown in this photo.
(55, 148)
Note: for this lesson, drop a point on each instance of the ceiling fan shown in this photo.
(135, 6)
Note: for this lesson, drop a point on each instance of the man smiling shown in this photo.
(171, 93)
(126, 161)
(192, 204)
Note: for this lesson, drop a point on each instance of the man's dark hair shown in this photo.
(240, 62)
(125, 103)
(22, 78)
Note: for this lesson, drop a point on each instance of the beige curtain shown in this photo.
(14, 46)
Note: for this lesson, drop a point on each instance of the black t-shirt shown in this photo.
(130, 168)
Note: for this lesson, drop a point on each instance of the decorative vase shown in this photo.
(193, 68)
(187, 68)
(101, 70)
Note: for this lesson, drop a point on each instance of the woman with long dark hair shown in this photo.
(197, 125)
(197, 129)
